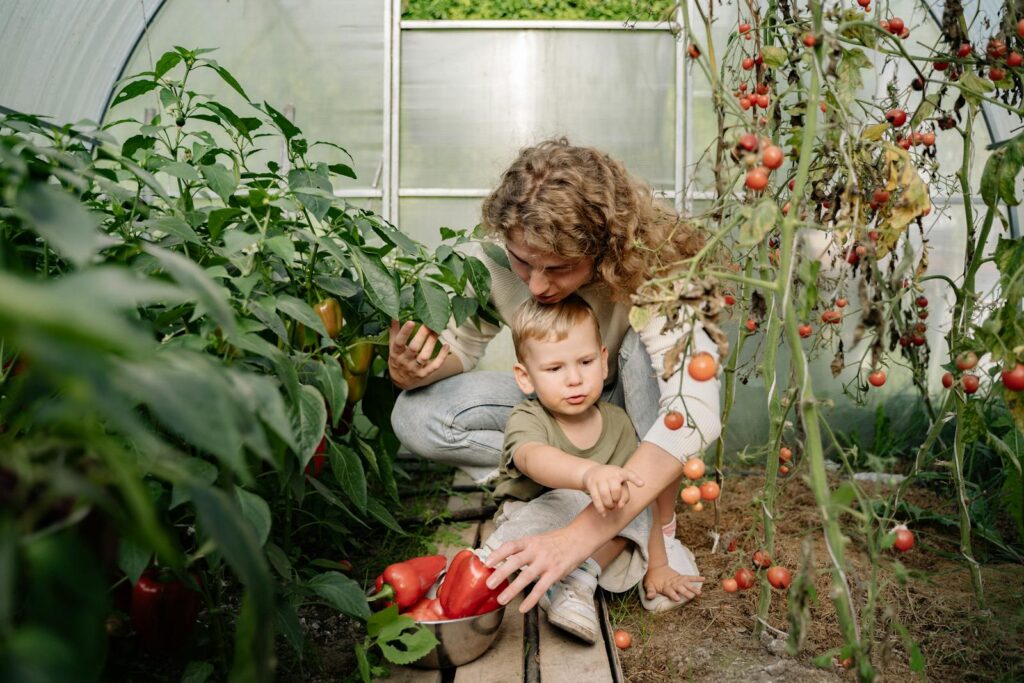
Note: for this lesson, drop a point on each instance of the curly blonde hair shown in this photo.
(549, 322)
(577, 202)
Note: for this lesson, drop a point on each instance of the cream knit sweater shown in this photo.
(698, 400)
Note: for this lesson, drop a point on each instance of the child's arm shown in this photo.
(660, 577)
(556, 469)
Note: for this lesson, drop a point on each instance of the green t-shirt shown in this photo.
(531, 422)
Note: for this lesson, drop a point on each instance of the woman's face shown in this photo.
(550, 278)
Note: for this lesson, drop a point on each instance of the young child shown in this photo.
(563, 450)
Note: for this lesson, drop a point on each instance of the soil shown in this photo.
(712, 637)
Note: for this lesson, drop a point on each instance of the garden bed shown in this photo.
(713, 636)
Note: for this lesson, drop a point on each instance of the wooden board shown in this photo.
(565, 658)
(503, 663)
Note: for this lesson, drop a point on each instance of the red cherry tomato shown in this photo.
(779, 577)
(674, 419)
(757, 179)
(762, 559)
(772, 157)
(877, 378)
(744, 578)
(729, 585)
(622, 639)
(966, 361)
(709, 490)
(785, 455)
(805, 330)
(703, 366)
(693, 469)
(1013, 379)
(904, 539)
(690, 495)
(947, 380)
(971, 383)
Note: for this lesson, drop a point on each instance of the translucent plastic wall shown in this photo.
(61, 57)
(471, 98)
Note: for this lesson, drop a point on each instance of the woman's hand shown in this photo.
(545, 558)
(608, 486)
(409, 360)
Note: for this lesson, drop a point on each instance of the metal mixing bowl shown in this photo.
(461, 640)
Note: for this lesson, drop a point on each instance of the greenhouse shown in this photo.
(511, 340)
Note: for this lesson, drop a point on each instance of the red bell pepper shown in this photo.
(464, 591)
(316, 464)
(427, 609)
(164, 611)
(407, 582)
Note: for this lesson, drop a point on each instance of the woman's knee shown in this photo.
(410, 420)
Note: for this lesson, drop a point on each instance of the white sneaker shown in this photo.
(570, 605)
(682, 561)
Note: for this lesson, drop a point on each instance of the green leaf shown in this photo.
(844, 495)
(380, 513)
(286, 622)
(196, 672)
(189, 397)
(221, 180)
(479, 278)
(218, 218)
(167, 61)
(462, 308)
(974, 87)
(186, 172)
(228, 78)
(309, 420)
(135, 143)
(188, 274)
(378, 620)
(201, 470)
(338, 286)
(762, 220)
(132, 557)
(173, 226)
(341, 593)
(282, 246)
(411, 643)
(133, 90)
(348, 470)
(342, 169)
(496, 254)
(286, 127)
(333, 386)
(396, 238)
(431, 305)
(256, 512)
(69, 228)
(302, 182)
(379, 284)
(301, 311)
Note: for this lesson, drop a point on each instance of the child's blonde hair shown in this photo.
(544, 322)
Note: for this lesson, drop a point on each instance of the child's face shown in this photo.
(568, 375)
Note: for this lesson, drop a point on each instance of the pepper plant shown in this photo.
(193, 368)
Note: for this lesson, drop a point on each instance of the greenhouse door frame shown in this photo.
(391, 193)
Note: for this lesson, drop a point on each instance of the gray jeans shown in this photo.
(461, 420)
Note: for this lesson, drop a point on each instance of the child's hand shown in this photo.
(667, 582)
(607, 486)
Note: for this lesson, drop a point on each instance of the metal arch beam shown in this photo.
(128, 55)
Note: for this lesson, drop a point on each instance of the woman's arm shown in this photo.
(549, 557)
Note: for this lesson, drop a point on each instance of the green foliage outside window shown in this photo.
(640, 10)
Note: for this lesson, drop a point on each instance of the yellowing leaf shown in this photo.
(639, 316)
(875, 132)
(913, 200)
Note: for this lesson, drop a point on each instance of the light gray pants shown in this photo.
(461, 420)
(554, 510)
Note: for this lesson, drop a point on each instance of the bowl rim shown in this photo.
(453, 621)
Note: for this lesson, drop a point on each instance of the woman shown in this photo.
(572, 220)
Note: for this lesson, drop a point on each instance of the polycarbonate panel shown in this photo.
(470, 99)
(423, 218)
(322, 59)
(61, 57)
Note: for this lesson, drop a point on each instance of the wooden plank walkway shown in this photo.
(527, 649)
